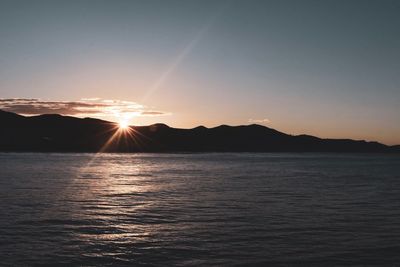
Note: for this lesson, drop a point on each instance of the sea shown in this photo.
(206, 209)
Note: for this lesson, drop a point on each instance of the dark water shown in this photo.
(199, 209)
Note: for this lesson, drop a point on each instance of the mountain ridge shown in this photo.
(58, 133)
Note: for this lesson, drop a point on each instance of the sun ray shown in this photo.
(133, 140)
(187, 49)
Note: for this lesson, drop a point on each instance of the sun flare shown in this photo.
(123, 125)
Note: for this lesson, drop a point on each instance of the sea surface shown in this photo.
(199, 209)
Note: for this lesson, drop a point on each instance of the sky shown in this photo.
(324, 68)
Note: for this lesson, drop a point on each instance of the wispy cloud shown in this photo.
(93, 107)
(152, 113)
(261, 121)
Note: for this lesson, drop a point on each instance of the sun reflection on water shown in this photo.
(115, 200)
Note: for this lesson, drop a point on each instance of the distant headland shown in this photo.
(56, 133)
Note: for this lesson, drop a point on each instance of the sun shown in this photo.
(123, 125)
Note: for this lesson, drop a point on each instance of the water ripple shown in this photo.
(199, 209)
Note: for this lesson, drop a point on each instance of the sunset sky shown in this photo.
(326, 68)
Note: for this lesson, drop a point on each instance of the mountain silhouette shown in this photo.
(56, 133)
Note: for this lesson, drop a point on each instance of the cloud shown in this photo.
(94, 107)
(262, 121)
(153, 113)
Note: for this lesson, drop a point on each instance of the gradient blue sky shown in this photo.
(326, 68)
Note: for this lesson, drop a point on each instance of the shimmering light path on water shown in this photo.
(199, 209)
